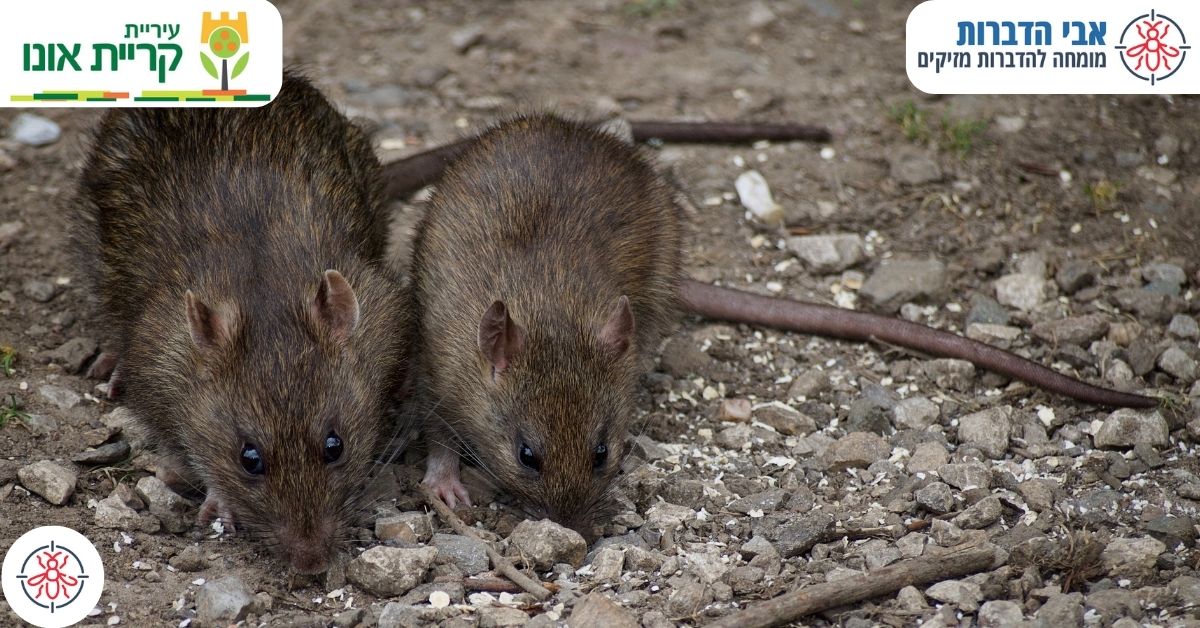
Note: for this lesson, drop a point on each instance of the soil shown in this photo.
(990, 186)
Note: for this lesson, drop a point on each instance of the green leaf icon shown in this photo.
(239, 66)
(208, 65)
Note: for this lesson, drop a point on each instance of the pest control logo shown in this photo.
(52, 577)
(1153, 47)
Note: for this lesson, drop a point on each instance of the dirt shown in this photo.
(1020, 182)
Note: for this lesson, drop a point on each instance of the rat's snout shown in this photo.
(309, 550)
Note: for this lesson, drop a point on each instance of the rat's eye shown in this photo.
(333, 448)
(599, 456)
(252, 461)
(528, 458)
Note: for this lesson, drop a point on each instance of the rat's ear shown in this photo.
(336, 306)
(209, 328)
(500, 339)
(617, 333)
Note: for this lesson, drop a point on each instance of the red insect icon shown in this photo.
(51, 582)
(1153, 53)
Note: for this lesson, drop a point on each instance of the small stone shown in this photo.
(1146, 305)
(1127, 427)
(981, 514)
(169, 507)
(809, 384)
(828, 253)
(785, 419)
(1001, 336)
(1173, 531)
(399, 615)
(640, 559)
(878, 553)
(8, 230)
(104, 454)
(966, 475)
(1184, 327)
(950, 373)
(112, 513)
(390, 571)
(63, 398)
(1074, 276)
(597, 611)
(469, 554)
(961, 593)
(1186, 589)
(1063, 610)
(546, 543)
(1125, 557)
(911, 599)
(606, 566)
(798, 537)
(54, 483)
(189, 560)
(501, 617)
(428, 75)
(466, 37)
(1179, 365)
(857, 449)
(755, 195)
(896, 282)
(936, 497)
(867, 415)
(40, 424)
(223, 601)
(688, 599)
(1010, 124)
(759, 15)
(34, 130)
(73, 354)
(349, 618)
(986, 311)
(915, 413)
(765, 501)
(988, 430)
(914, 167)
(40, 291)
(927, 457)
(734, 410)
(409, 527)
(1038, 493)
(1000, 614)
(1024, 292)
(1077, 330)
(1164, 273)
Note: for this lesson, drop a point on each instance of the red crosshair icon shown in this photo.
(52, 583)
(1153, 52)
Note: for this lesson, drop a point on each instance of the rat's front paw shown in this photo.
(449, 488)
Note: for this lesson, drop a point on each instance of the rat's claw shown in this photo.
(441, 476)
(214, 509)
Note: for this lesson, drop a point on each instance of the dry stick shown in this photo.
(498, 585)
(501, 563)
(796, 604)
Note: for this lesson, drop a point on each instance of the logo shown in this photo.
(1153, 47)
(52, 577)
(140, 53)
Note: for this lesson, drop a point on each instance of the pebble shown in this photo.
(857, 449)
(765, 501)
(799, 536)
(390, 571)
(73, 354)
(1076, 275)
(545, 543)
(399, 615)
(62, 398)
(112, 513)
(1060, 611)
(1173, 531)
(1125, 557)
(1077, 330)
(641, 559)
(39, 290)
(104, 454)
(915, 413)
(7, 162)
(981, 514)
(828, 253)
(961, 593)
(936, 497)
(809, 384)
(785, 419)
(1179, 365)
(966, 475)
(223, 601)
(914, 167)
(9, 230)
(598, 611)
(927, 457)
(734, 410)
(175, 512)
(1186, 590)
(986, 311)
(1001, 336)
(688, 598)
(1010, 124)
(1039, 493)
(34, 130)
(1024, 292)
(897, 281)
(1146, 305)
(40, 424)
(755, 195)
(1128, 427)
(501, 617)
(469, 554)
(759, 15)
(1164, 273)
(607, 564)
(1184, 327)
(53, 482)
(409, 527)
(463, 38)
(999, 614)
(911, 599)
(988, 430)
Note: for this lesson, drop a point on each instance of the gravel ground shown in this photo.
(1062, 228)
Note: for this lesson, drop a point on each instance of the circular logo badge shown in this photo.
(52, 577)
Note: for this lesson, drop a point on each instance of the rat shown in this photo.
(544, 272)
(237, 256)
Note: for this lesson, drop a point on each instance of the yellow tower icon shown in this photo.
(210, 24)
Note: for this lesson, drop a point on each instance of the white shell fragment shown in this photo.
(755, 195)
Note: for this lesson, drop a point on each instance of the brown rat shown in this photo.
(545, 268)
(236, 254)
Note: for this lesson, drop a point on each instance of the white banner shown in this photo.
(1053, 47)
(140, 53)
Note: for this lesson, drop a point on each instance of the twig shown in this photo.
(499, 585)
(502, 564)
(796, 604)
